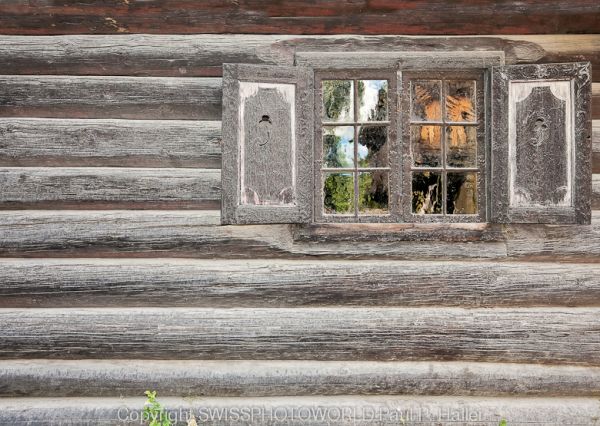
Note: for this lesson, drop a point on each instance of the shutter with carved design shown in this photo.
(267, 144)
(541, 143)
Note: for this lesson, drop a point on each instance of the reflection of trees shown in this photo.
(373, 190)
(333, 151)
(427, 189)
(338, 193)
(337, 98)
(375, 137)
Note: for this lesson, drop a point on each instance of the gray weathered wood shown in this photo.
(405, 60)
(49, 283)
(596, 191)
(194, 234)
(541, 114)
(533, 335)
(108, 187)
(99, 378)
(596, 146)
(203, 55)
(111, 97)
(317, 410)
(115, 143)
(267, 144)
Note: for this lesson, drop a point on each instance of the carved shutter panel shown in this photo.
(541, 143)
(267, 144)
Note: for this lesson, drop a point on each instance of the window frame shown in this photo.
(394, 164)
(481, 77)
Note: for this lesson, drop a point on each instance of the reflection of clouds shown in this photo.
(363, 151)
(370, 97)
(344, 136)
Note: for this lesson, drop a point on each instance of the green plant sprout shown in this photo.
(154, 413)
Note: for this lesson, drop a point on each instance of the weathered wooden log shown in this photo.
(301, 17)
(531, 335)
(114, 143)
(102, 188)
(596, 146)
(596, 192)
(158, 98)
(318, 410)
(48, 283)
(203, 55)
(100, 378)
(195, 234)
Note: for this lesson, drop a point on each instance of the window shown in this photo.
(465, 142)
(443, 138)
(355, 134)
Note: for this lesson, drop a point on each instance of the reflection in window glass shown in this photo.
(460, 100)
(427, 193)
(462, 193)
(426, 145)
(372, 100)
(372, 146)
(338, 103)
(461, 146)
(373, 193)
(338, 193)
(338, 146)
(425, 100)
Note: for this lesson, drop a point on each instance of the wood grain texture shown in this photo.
(108, 187)
(533, 335)
(109, 143)
(159, 98)
(300, 17)
(596, 101)
(596, 146)
(355, 410)
(47, 283)
(99, 378)
(596, 192)
(202, 55)
(195, 234)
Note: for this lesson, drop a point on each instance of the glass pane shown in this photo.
(425, 100)
(426, 145)
(338, 193)
(427, 193)
(372, 100)
(372, 146)
(338, 104)
(461, 146)
(338, 146)
(373, 193)
(460, 100)
(462, 193)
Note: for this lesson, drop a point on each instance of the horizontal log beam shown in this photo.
(99, 378)
(109, 143)
(194, 234)
(361, 410)
(110, 187)
(528, 335)
(47, 283)
(203, 55)
(158, 98)
(301, 17)
(596, 192)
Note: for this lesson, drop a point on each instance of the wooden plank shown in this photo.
(47, 283)
(301, 17)
(100, 378)
(109, 187)
(318, 410)
(203, 55)
(194, 234)
(596, 146)
(109, 143)
(596, 101)
(596, 192)
(111, 97)
(532, 335)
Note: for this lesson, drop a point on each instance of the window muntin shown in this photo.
(355, 138)
(443, 141)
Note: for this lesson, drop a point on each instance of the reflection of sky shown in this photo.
(370, 97)
(346, 147)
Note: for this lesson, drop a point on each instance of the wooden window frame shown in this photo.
(404, 97)
(393, 168)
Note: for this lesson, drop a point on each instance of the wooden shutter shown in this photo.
(541, 143)
(267, 144)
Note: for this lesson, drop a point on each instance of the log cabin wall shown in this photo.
(117, 277)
